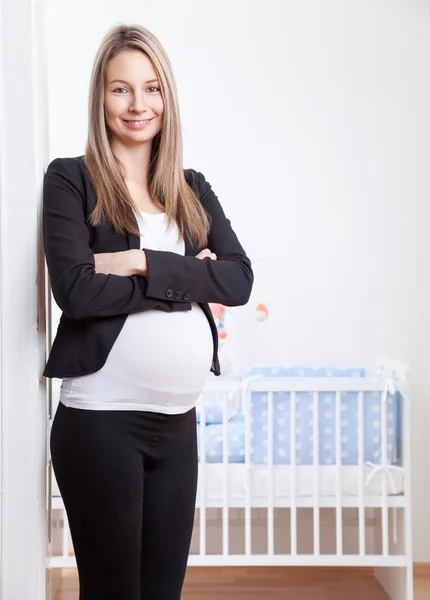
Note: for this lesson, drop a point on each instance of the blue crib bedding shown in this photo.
(305, 426)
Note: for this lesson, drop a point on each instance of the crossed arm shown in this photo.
(131, 262)
(87, 285)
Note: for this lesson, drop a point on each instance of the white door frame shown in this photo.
(24, 502)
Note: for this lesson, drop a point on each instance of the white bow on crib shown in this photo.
(242, 386)
(393, 385)
(252, 471)
(388, 470)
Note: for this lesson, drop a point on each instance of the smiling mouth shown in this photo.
(140, 121)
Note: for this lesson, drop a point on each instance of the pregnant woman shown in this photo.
(136, 248)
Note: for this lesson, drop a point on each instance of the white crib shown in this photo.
(279, 511)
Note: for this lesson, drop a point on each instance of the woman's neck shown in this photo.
(135, 161)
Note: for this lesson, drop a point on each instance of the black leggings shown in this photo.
(128, 480)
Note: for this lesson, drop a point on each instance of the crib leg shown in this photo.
(398, 582)
(409, 595)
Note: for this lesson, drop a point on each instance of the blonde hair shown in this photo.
(166, 181)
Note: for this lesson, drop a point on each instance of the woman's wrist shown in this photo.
(140, 265)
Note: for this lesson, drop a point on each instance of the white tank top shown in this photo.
(160, 361)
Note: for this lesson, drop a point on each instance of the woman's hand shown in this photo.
(206, 252)
(125, 263)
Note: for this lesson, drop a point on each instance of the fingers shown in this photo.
(206, 253)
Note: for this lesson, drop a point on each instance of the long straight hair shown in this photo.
(167, 185)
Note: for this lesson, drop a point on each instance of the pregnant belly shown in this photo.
(166, 351)
(159, 359)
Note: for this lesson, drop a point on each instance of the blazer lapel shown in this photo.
(189, 249)
(133, 240)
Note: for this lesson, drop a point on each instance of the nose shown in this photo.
(138, 103)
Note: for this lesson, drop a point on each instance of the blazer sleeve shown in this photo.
(227, 280)
(79, 291)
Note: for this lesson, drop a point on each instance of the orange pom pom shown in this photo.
(217, 309)
(261, 312)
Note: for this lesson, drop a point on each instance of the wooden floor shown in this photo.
(266, 583)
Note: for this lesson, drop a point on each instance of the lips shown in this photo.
(134, 125)
(138, 120)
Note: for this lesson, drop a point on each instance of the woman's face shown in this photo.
(133, 102)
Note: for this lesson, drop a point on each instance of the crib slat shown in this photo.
(202, 476)
(339, 524)
(407, 512)
(316, 509)
(361, 509)
(293, 513)
(383, 413)
(225, 515)
(246, 403)
(270, 512)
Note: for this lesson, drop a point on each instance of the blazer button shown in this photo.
(185, 297)
(178, 295)
(169, 293)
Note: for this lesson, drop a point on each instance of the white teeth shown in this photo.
(140, 122)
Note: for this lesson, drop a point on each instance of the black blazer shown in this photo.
(95, 306)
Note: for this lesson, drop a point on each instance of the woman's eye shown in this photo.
(150, 88)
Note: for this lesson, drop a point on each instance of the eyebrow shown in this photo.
(126, 82)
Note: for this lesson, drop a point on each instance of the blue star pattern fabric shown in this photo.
(305, 423)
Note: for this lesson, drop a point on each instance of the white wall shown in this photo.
(24, 572)
(312, 122)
